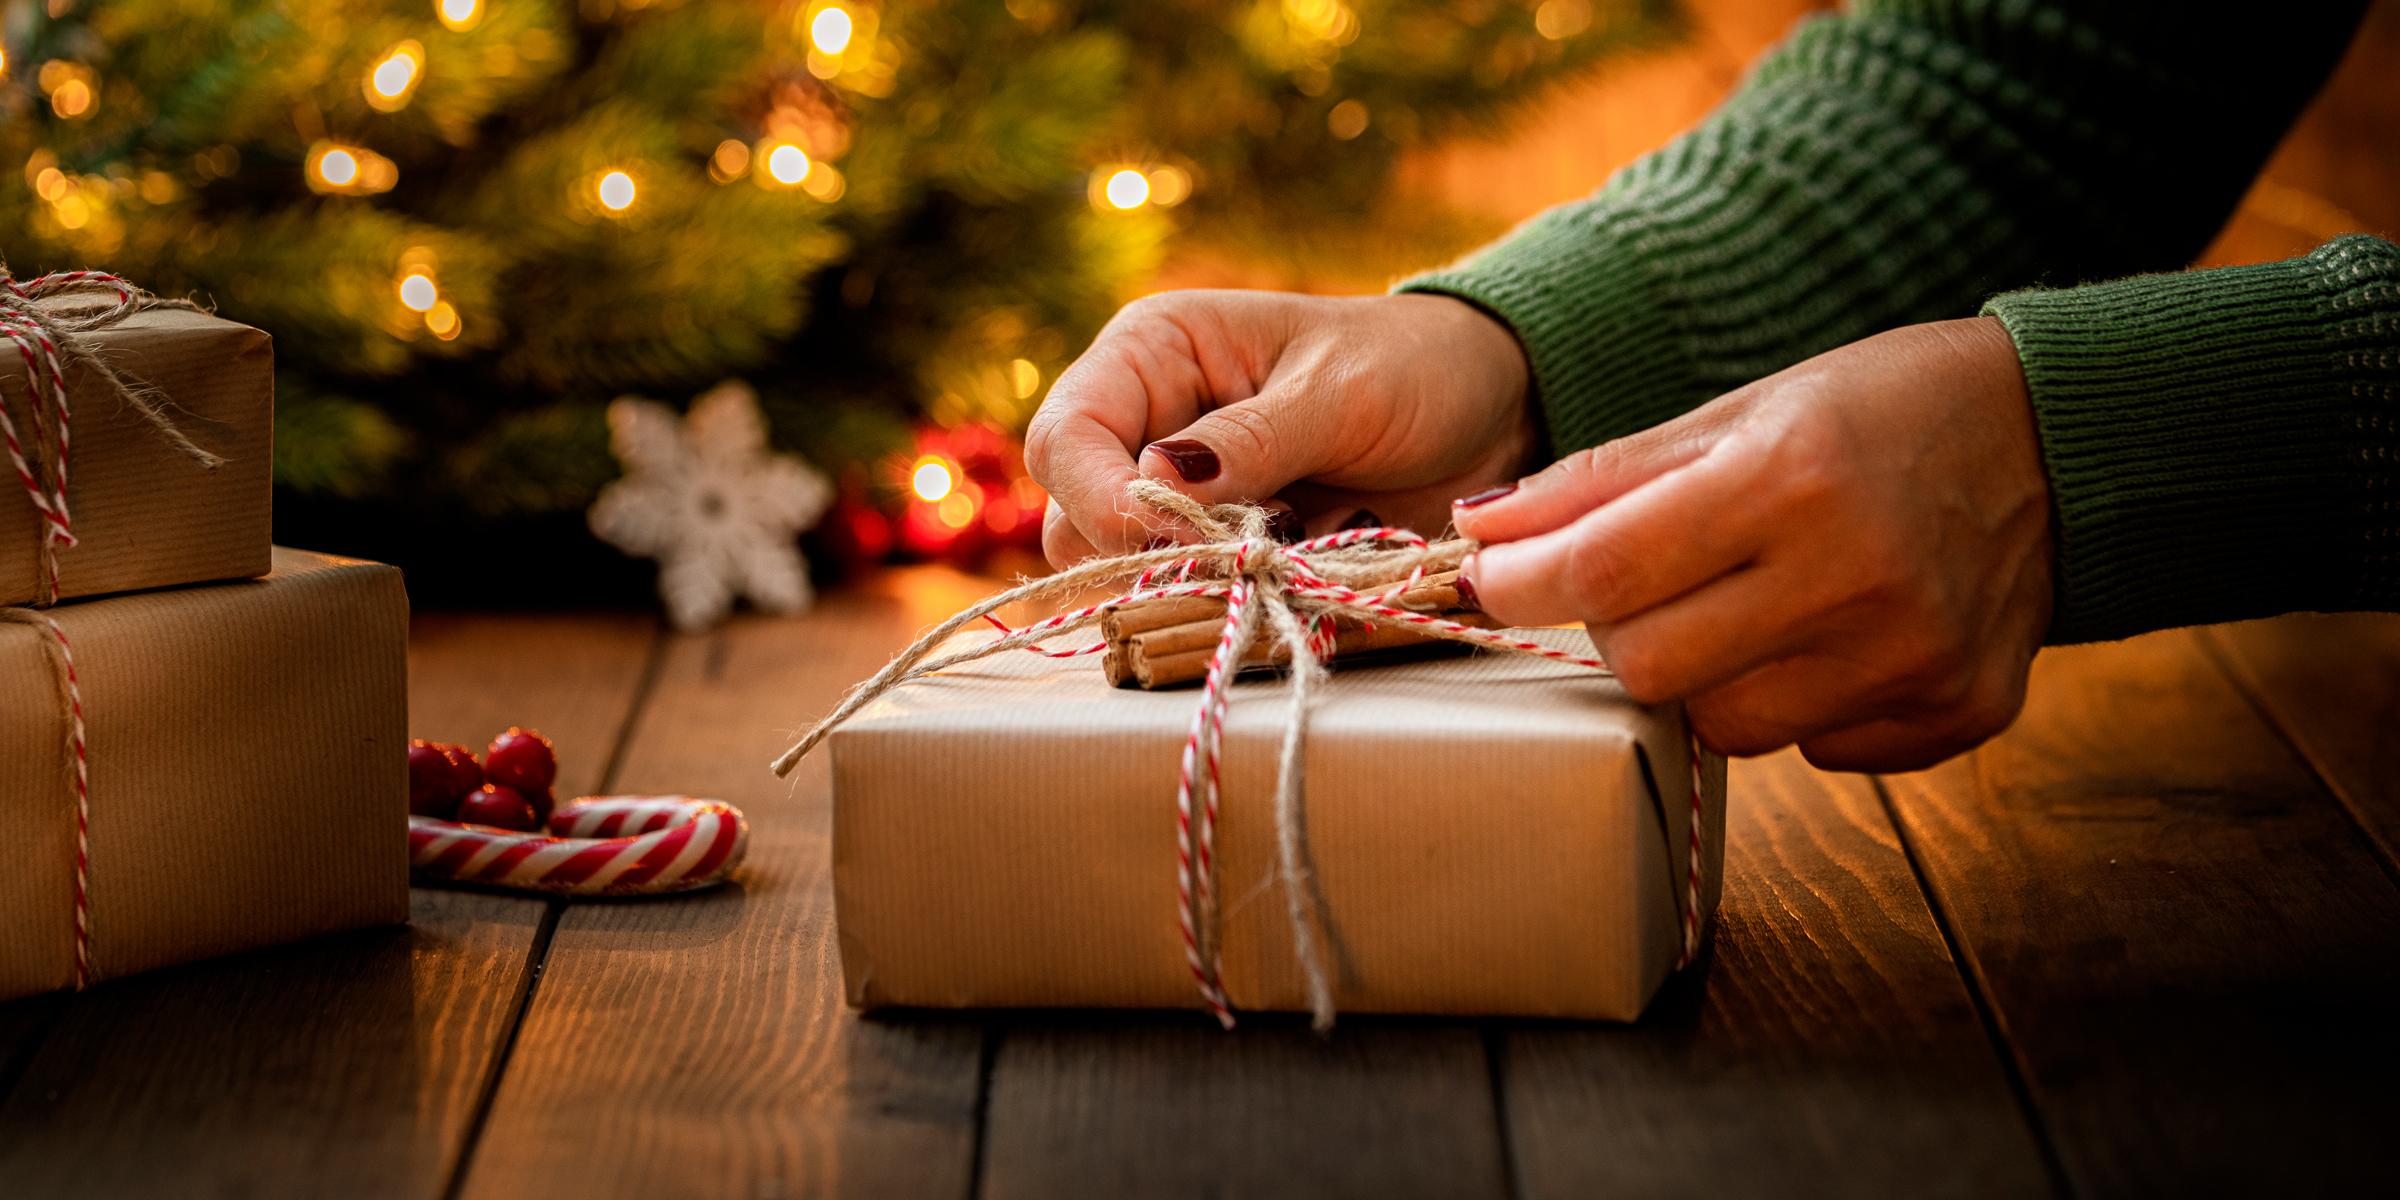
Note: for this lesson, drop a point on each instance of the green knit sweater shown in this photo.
(2221, 444)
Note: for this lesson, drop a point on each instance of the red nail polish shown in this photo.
(1286, 526)
(1466, 594)
(1486, 496)
(1192, 460)
(1160, 542)
(1364, 518)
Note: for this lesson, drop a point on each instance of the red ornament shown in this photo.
(968, 495)
(438, 776)
(498, 806)
(521, 759)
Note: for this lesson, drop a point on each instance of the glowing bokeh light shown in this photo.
(418, 292)
(956, 509)
(787, 162)
(338, 167)
(830, 32)
(394, 74)
(1128, 189)
(459, 14)
(443, 320)
(72, 99)
(616, 191)
(931, 480)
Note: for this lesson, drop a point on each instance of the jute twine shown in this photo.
(47, 319)
(1289, 595)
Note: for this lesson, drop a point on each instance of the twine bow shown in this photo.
(46, 319)
(1288, 594)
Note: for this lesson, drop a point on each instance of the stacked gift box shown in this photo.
(202, 736)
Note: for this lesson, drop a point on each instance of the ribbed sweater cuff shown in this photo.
(1604, 361)
(2195, 433)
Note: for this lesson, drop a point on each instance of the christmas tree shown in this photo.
(471, 223)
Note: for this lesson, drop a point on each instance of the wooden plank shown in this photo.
(2331, 686)
(2190, 944)
(699, 1045)
(1825, 1045)
(1169, 1105)
(351, 1065)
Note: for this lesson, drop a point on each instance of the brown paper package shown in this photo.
(145, 515)
(1494, 836)
(248, 748)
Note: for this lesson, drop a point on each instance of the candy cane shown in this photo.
(596, 846)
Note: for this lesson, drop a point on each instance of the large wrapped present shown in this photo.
(243, 769)
(147, 508)
(1498, 835)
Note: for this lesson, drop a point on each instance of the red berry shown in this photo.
(543, 802)
(430, 790)
(521, 759)
(501, 807)
(465, 775)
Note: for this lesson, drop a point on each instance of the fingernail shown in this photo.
(1192, 460)
(1466, 593)
(1364, 518)
(1486, 496)
(1160, 542)
(1284, 523)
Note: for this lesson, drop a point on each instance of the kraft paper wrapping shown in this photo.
(248, 750)
(145, 514)
(1484, 828)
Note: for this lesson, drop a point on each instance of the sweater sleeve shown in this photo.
(2221, 444)
(1894, 165)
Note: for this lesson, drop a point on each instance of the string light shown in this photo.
(931, 480)
(1127, 189)
(824, 183)
(72, 99)
(417, 292)
(730, 162)
(1025, 377)
(1170, 186)
(616, 191)
(349, 170)
(394, 77)
(338, 167)
(442, 320)
(830, 31)
(459, 15)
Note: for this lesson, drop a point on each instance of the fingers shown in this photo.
(1249, 451)
(1587, 479)
(1673, 535)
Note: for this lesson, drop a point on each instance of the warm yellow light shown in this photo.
(787, 162)
(616, 190)
(1025, 377)
(459, 14)
(338, 167)
(394, 76)
(1347, 120)
(1557, 19)
(956, 510)
(72, 99)
(3, 60)
(1128, 189)
(831, 30)
(730, 162)
(1169, 186)
(74, 211)
(824, 182)
(931, 480)
(418, 292)
(443, 320)
(51, 184)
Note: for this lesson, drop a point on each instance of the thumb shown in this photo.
(1246, 451)
(1555, 496)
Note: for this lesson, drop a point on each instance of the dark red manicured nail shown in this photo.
(1364, 518)
(1192, 460)
(1486, 496)
(1284, 523)
(1466, 594)
(1160, 542)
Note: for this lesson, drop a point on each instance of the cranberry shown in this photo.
(543, 802)
(498, 806)
(465, 775)
(430, 789)
(521, 759)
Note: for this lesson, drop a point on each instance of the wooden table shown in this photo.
(2146, 943)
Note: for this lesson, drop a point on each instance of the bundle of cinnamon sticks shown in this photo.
(1161, 643)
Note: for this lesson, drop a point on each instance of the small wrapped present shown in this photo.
(238, 752)
(169, 429)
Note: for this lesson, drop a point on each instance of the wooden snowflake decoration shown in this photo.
(702, 495)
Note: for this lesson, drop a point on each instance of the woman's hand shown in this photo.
(1376, 409)
(1853, 554)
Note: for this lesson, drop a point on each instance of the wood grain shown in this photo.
(699, 1045)
(2191, 945)
(350, 1065)
(1824, 1046)
(1170, 1106)
(2331, 686)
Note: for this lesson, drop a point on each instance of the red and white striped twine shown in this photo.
(1245, 572)
(596, 846)
(47, 379)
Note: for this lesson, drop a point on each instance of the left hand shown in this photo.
(1852, 554)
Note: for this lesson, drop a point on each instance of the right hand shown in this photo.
(1353, 410)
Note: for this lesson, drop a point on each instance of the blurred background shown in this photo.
(472, 224)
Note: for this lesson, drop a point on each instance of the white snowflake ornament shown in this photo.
(702, 495)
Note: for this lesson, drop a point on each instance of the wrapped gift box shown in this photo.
(248, 757)
(145, 515)
(1494, 835)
